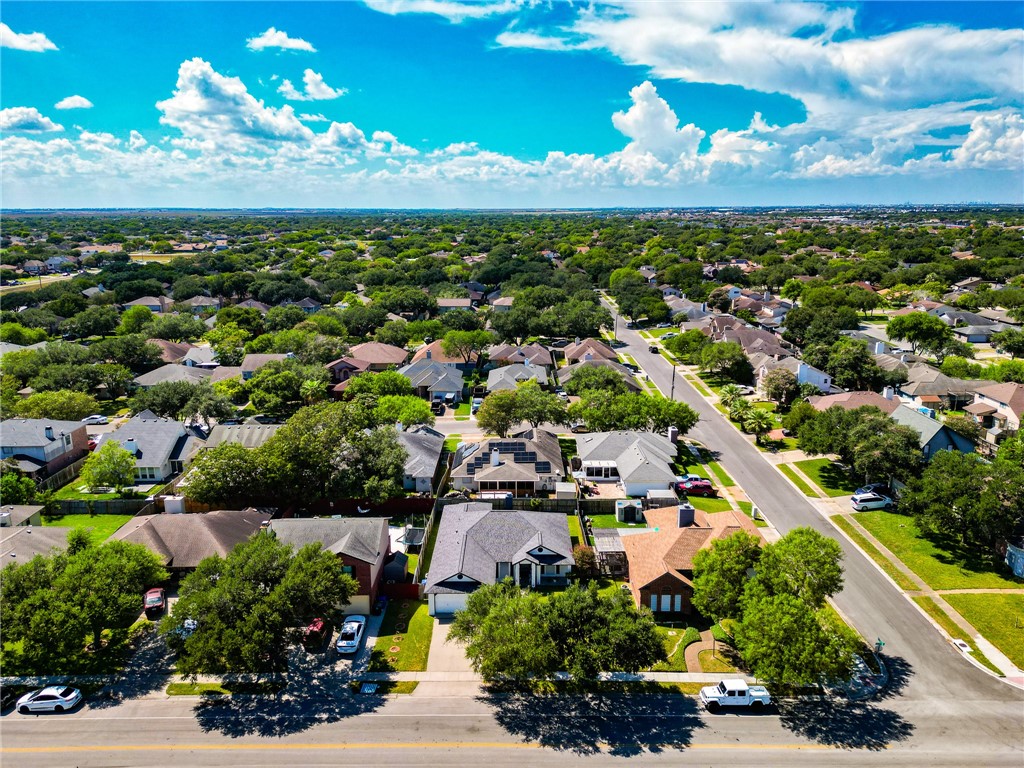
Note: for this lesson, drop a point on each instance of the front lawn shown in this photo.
(798, 481)
(117, 647)
(101, 527)
(403, 644)
(675, 641)
(463, 409)
(953, 630)
(999, 618)
(938, 563)
(747, 508)
(709, 505)
(904, 581)
(714, 662)
(829, 476)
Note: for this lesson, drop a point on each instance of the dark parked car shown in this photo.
(879, 488)
(155, 602)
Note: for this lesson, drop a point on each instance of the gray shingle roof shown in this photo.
(639, 456)
(172, 372)
(929, 428)
(436, 377)
(473, 538)
(246, 435)
(31, 433)
(424, 449)
(157, 440)
(509, 376)
(20, 544)
(253, 362)
(348, 536)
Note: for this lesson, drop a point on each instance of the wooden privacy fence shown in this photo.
(63, 476)
(107, 507)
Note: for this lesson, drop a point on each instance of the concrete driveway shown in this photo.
(446, 656)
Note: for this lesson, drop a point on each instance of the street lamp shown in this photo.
(672, 392)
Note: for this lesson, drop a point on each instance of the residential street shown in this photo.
(934, 671)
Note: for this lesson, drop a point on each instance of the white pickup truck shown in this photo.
(734, 693)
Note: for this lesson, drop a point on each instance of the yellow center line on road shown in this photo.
(369, 746)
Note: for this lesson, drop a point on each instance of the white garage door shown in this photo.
(446, 604)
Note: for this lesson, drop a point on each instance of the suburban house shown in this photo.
(851, 400)
(245, 435)
(377, 356)
(172, 372)
(522, 464)
(805, 374)
(928, 387)
(534, 354)
(307, 305)
(998, 409)
(434, 381)
(20, 543)
(201, 357)
(17, 515)
(201, 304)
(35, 267)
(935, 436)
(361, 544)
(639, 461)
(588, 349)
(252, 363)
(152, 303)
(478, 545)
(433, 352)
(681, 309)
(259, 306)
(423, 446)
(447, 305)
(660, 560)
(508, 377)
(503, 304)
(41, 447)
(566, 373)
(162, 447)
(171, 351)
(183, 541)
(343, 369)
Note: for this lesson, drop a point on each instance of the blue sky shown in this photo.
(510, 103)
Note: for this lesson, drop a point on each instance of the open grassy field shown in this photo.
(828, 476)
(939, 566)
(904, 581)
(101, 527)
(953, 630)
(999, 618)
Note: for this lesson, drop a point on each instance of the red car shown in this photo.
(155, 602)
(313, 635)
(696, 488)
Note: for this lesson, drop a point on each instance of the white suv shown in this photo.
(863, 501)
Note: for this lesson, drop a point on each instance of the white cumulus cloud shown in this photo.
(36, 42)
(309, 118)
(27, 120)
(452, 10)
(275, 38)
(314, 88)
(73, 102)
(136, 140)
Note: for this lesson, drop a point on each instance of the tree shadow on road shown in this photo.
(589, 723)
(317, 693)
(147, 671)
(900, 671)
(852, 725)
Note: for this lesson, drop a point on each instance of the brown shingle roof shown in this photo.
(182, 541)
(380, 354)
(851, 400)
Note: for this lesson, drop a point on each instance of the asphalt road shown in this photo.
(324, 728)
(932, 669)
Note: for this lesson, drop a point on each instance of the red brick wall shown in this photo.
(79, 447)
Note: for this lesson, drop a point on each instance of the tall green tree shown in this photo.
(804, 564)
(15, 488)
(250, 606)
(535, 406)
(62, 404)
(466, 344)
(405, 409)
(110, 466)
(721, 572)
(498, 413)
(922, 330)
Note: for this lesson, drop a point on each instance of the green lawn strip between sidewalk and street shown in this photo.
(828, 476)
(385, 687)
(102, 526)
(998, 618)
(953, 630)
(410, 621)
(721, 474)
(798, 481)
(902, 580)
(937, 567)
(225, 688)
(748, 509)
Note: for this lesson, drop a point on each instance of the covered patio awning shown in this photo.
(979, 409)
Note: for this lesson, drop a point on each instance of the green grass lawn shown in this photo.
(828, 476)
(999, 618)
(953, 630)
(799, 482)
(710, 505)
(940, 567)
(407, 626)
(904, 581)
(676, 640)
(101, 526)
(463, 409)
(748, 510)
(574, 529)
(657, 333)
(413, 559)
(700, 388)
(721, 474)
(75, 490)
(385, 687)
(224, 688)
(714, 662)
(427, 551)
(609, 521)
(609, 586)
(452, 443)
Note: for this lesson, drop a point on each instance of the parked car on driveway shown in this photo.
(56, 698)
(863, 501)
(351, 635)
(699, 487)
(95, 419)
(881, 489)
(315, 633)
(155, 602)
